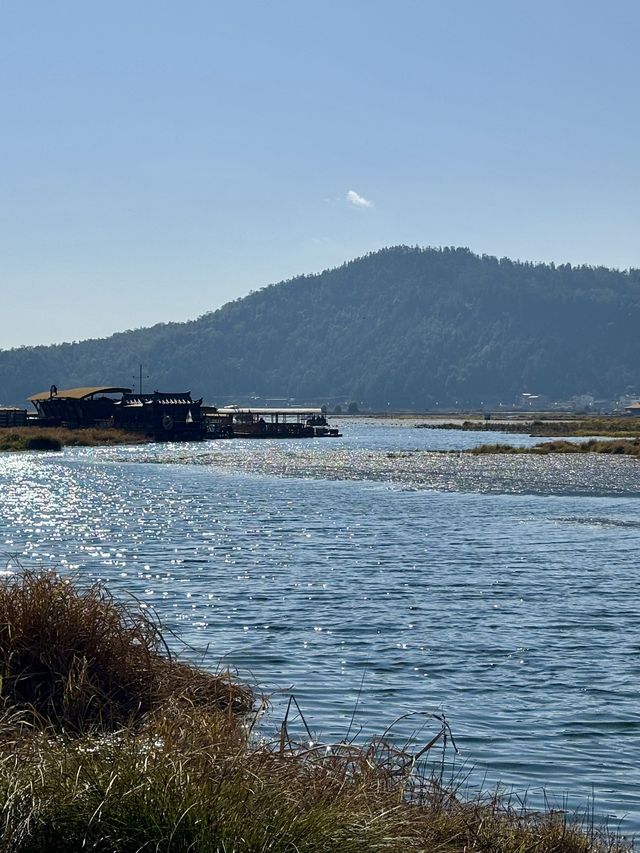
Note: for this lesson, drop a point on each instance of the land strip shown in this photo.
(622, 446)
(55, 438)
(604, 426)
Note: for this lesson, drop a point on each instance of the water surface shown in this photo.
(501, 590)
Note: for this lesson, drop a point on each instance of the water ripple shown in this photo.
(503, 590)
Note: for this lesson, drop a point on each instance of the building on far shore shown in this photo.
(170, 416)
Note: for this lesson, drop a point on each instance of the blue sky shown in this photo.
(161, 158)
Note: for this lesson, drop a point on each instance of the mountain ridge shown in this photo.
(404, 326)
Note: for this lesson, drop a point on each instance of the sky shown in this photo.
(158, 159)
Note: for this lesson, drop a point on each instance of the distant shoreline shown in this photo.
(471, 415)
(617, 427)
(611, 446)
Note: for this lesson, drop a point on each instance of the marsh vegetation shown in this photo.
(55, 438)
(623, 427)
(619, 447)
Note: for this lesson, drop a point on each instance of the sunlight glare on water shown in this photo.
(502, 590)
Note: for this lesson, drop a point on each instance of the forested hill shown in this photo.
(403, 326)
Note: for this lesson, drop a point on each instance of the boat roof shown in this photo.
(79, 393)
(261, 410)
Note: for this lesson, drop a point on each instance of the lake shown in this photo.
(371, 577)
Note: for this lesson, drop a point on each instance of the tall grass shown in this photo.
(15, 439)
(192, 782)
(77, 659)
(621, 427)
(107, 743)
(618, 447)
(54, 438)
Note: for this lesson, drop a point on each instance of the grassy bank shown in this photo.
(621, 446)
(604, 426)
(108, 743)
(55, 438)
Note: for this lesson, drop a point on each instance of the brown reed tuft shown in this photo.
(75, 658)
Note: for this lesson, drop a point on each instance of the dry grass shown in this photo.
(77, 659)
(619, 447)
(626, 427)
(17, 438)
(192, 782)
(108, 744)
(605, 426)
(54, 438)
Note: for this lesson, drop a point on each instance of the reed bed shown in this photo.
(620, 446)
(55, 438)
(108, 743)
(621, 427)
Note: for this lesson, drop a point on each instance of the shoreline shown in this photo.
(615, 427)
(135, 749)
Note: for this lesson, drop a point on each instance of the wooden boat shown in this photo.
(167, 416)
(260, 422)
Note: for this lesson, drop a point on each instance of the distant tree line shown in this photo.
(402, 327)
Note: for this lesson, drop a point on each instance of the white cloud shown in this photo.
(358, 200)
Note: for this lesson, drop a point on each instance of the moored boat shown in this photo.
(262, 422)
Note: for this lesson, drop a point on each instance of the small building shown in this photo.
(532, 401)
(633, 409)
(170, 416)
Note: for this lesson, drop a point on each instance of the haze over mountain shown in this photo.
(401, 327)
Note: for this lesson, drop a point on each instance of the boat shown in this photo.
(262, 422)
(166, 416)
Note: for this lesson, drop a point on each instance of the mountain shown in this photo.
(404, 327)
